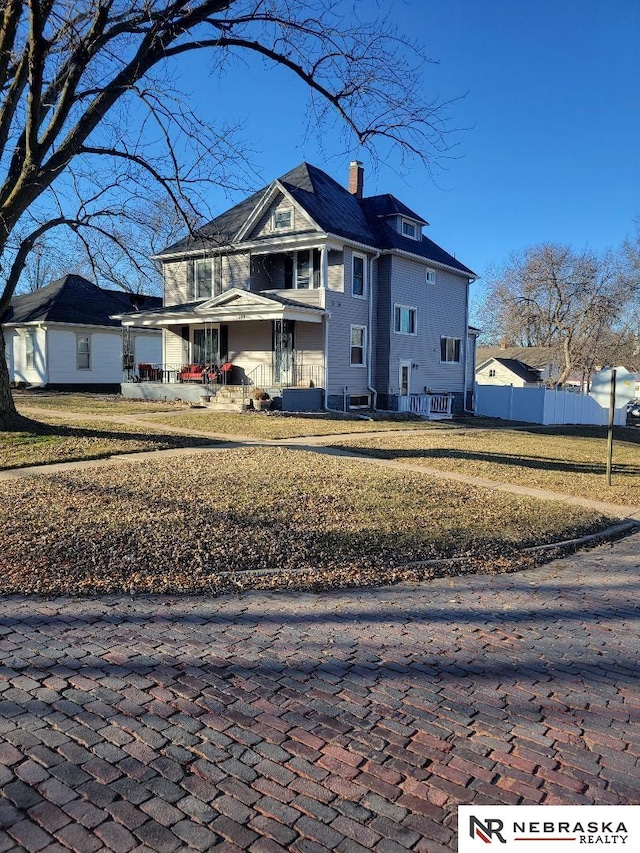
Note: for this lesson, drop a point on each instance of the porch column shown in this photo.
(324, 267)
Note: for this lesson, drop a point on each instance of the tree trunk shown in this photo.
(8, 414)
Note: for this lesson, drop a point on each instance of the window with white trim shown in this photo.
(409, 229)
(358, 345)
(282, 219)
(404, 320)
(359, 276)
(450, 350)
(83, 352)
(30, 349)
(204, 278)
(492, 373)
(430, 276)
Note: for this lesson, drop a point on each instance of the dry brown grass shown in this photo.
(175, 525)
(567, 460)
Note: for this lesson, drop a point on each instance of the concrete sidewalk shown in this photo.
(349, 721)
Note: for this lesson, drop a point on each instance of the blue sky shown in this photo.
(552, 110)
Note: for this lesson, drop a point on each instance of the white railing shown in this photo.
(435, 407)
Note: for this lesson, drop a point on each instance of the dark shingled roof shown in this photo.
(335, 210)
(76, 301)
(528, 374)
(536, 358)
(389, 205)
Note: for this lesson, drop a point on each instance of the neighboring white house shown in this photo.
(507, 371)
(62, 336)
(307, 283)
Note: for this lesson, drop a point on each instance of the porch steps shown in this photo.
(229, 398)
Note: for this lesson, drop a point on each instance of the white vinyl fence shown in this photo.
(542, 406)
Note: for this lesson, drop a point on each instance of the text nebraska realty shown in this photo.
(589, 832)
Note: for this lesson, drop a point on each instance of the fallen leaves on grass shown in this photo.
(207, 523)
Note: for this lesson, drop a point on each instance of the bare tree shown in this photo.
(574, 302)
(88, 113)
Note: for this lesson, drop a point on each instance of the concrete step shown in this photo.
(226, 405)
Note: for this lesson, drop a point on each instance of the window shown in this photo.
(492, 373)
(450, 349)
(83, 352)
(358, 343)
(409, 229)
(404, 320)
(359, 401)
(358, 279)
(282, 219)
(30, 349)
(430, 276)
(303, 270)
(204, 278)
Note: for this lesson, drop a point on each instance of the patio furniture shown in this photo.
(191, 373)
(149, 373)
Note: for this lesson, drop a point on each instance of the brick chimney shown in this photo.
(356, 178)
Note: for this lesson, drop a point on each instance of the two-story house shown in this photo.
(307, 284)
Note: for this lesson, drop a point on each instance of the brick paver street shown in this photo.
(349, 721)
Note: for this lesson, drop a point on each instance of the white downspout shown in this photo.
(370, 388)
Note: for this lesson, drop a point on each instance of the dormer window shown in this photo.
(282, 219)
(410, 229)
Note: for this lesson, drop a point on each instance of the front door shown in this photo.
(206, 345)
(405, 378)
(283, 352)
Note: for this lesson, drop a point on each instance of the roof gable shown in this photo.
(331, 208)
(513, 365)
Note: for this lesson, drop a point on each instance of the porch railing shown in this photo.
(297, 376)
(263, 375)
(435, 407)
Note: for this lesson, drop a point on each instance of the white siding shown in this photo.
(175, 282)
(16, 350)
(174, 350)
(106, 356)
(147, 347)
(503, 376)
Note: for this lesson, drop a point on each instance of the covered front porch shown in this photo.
(232, 345)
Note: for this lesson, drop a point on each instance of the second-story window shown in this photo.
(358, 279)
(450, 350)
(203, 275)
(204, 278)
(404, 320)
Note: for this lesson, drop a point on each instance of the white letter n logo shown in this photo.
(486, 830)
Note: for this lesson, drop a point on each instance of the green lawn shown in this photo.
(569, 460)
(174, 525)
